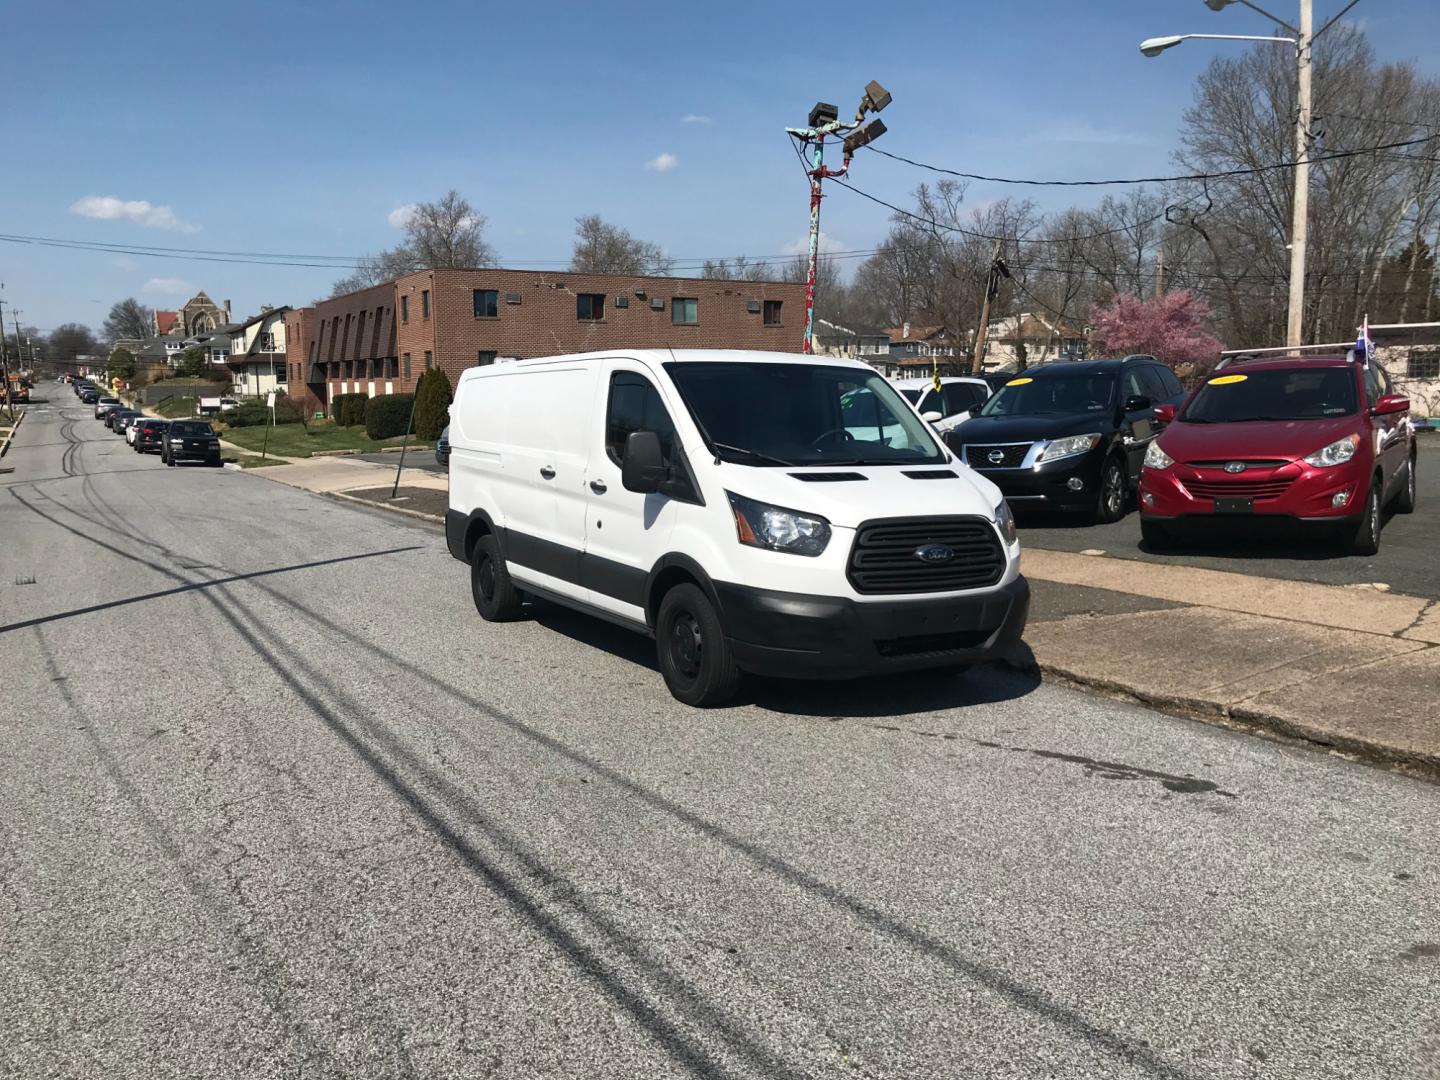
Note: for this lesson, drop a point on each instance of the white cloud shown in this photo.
(827, 244)
(168, 286)
(695, 118)
(1085, 132)
(139, 211)
(663, 163)
(400, 216)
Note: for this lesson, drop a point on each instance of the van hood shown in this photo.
(1289, 439)
(867, 492)
(1016, 429)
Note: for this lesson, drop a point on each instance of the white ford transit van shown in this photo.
(763, 512)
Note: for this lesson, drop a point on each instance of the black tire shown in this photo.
(169, 460)
(495, 595)
(1405, 501)
(1365, 538)
(1110, 499)
(695, 657)
(1154, 535)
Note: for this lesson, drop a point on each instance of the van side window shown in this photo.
(635, 405)
(1155, 388)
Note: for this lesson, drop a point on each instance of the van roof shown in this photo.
(684, 356)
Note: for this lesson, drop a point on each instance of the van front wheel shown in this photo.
(695, 658)
(496, 597)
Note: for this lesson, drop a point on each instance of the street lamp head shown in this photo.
(876, 98)
(864, 136)
(1218, 5)
(1156, 45)
(823, 113)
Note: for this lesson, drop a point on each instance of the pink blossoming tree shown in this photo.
(1170, 327)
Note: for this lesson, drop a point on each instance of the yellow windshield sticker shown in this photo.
(1019, 382)
(1226, 380)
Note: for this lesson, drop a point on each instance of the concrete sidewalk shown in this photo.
(1355, 670)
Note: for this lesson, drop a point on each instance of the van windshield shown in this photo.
(778, 414)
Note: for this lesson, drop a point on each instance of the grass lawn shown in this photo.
(291, 440)
(176, 408)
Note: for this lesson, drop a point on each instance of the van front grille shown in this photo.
(885, 559)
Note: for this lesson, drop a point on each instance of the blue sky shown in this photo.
(302, 127)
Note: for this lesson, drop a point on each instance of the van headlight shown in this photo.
(1155, 458)
(1005, 521)
(777, 529)
(1069, 446)
(1337, 453)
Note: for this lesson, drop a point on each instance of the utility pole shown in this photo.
(992, 286)
(5, 363)
(1300, 219)
(825, 120)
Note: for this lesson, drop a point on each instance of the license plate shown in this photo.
(1234, 506)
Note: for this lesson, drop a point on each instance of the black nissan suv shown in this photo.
(1069, 436)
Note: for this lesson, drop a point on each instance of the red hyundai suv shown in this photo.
(1317, 440)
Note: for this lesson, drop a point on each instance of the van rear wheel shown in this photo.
(496, 598)
(695, 657)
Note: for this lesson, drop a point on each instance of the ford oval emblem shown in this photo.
(1234, 466)
(934, 553)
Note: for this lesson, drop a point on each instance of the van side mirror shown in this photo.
(1164, 413)
(644, 469)
(1136, 403)
(1391, 403)
(974, 410)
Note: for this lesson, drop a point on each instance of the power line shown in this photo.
(1223, 175)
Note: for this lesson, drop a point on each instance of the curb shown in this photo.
(5, 446)
(333, 453)
(1252, 721)
(342, 497)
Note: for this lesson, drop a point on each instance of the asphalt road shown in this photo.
(1406, 562)
(275, 802)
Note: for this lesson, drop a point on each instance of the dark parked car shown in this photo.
(117, 419)
(151, 435)
(1070, 436)
(90, 396)
(190, 440)
(442, 448)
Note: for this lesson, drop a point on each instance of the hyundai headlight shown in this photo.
(1005, 521)
(1069, 446)
(774, 528)
(1337, 453)
(1155, 458)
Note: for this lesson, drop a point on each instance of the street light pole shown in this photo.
(1300, 212)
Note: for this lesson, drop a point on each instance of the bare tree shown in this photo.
(447, 233)
(129, 319)
(70, 340)
(602, 248)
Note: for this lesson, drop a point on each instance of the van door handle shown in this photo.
(598, 486)
(547, 472)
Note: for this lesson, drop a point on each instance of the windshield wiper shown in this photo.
(756, 454)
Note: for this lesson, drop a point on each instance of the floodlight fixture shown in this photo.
(864, 136)
(823, 113)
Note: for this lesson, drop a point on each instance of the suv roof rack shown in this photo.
(1297, 352)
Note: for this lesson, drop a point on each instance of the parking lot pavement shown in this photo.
(274, 802)
(1407, 561)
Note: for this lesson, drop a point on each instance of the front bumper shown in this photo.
(178, 453)
(1047, 486)
(794, 635)
(1294, 491)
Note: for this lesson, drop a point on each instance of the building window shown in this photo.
(484, 358)
(407, 360)
(1423, 364)
(589, 307)
(772, 313)
(404, 309)
(427, 360)
(424, 303)
(392, 367)
(280, 371)
(684, 311)
(487, 304)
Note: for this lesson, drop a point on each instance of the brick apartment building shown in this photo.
(379, 340)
